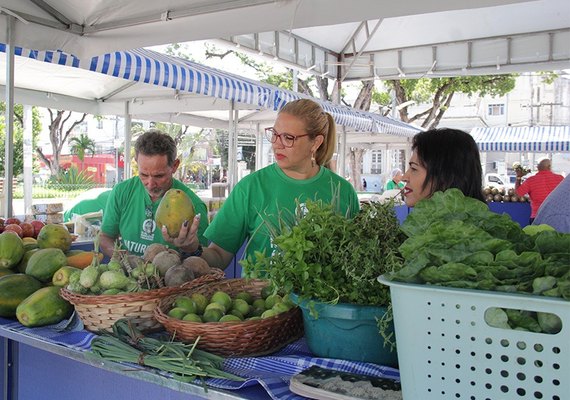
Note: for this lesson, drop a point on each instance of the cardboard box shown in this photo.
(48, 208)
(55, 218)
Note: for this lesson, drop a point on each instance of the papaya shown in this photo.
(21, 268)
(62, 275)
(29, 243)
(11, 249)
(6, 271)
(13, 290)
(43, 307)
(54, 236)
(174, 208)
(83, 259)
(44, 262)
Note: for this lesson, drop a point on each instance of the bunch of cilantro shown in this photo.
(324, 256)
(457, 241)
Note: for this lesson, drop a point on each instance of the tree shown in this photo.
(437, 93)
(18, 156)
(58, 135)
(81, 145)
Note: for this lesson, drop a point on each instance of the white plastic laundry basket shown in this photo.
(446, 350)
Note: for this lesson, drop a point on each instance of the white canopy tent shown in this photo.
(143, 84)
(347, 40)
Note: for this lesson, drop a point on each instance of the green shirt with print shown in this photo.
(263, 195)
(130, 214)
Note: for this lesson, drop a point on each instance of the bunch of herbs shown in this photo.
(321, 255)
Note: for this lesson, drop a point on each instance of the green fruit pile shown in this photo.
(221, 307)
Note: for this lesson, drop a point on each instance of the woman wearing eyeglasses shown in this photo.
(303, 139)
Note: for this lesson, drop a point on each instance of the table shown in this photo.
(46, 363)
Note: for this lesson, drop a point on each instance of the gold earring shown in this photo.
(313, 159)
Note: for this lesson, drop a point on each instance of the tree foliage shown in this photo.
(81, 145)
(18, 139)
(437, 94)
(60, 127)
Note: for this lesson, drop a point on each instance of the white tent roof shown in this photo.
(535, 139)
(348, 40)
(165, 88)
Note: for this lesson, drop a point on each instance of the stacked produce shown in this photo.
(457, 241)
(493, 194)
(29, 229)
(220, 307)
(27, 270)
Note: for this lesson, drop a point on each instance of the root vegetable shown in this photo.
(152, 250)
(164, 260)
(177, 275)
(198, 265)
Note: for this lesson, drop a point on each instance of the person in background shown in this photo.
(396, 181)
(132, 204)
(538, 186)
(555, 209)
(443, 159)
(303, 139)
(364, 184)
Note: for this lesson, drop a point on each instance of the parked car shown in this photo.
(499, 181)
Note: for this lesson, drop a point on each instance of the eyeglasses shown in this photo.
(287, 139)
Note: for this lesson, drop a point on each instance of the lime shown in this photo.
(192, 318)
(237, 314)
(287, 300)
(222, 298)
(266, 291)
(201, 302)
(257, 312)
(268, 314)
(177, 312)
(230, 318)
(212, 315)
(215, 306)
(253, 319)
(271, 300)
(259, 303)
(245, 296)
(280, 308)
(241, 306)
(187, 303)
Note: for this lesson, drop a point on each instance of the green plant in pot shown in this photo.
(329, 265)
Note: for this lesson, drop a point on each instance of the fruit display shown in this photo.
(27, 271)
(221, 307)
(29, 229)
(493, 194)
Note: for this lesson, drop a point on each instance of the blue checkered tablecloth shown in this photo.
(272, 372)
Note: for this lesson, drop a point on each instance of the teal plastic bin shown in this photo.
(347, 332)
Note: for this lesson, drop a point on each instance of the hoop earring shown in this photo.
(313, 159)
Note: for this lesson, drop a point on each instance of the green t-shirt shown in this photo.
(393, 185)
(263, 195)
(88, 206)
(130, 215)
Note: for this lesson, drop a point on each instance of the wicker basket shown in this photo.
(247, 338)
(100, 312)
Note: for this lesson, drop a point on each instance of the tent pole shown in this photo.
(232, 146)
(28, 157)
(259, 153)
(9, 145)
(127, 156)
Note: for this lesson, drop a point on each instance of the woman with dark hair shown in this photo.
(443, 159)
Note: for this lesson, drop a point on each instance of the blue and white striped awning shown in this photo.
(539, 139)
(52, 57)
(359, 120)
(143, 65)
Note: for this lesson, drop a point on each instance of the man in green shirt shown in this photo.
(132, 204)
(396, 181)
